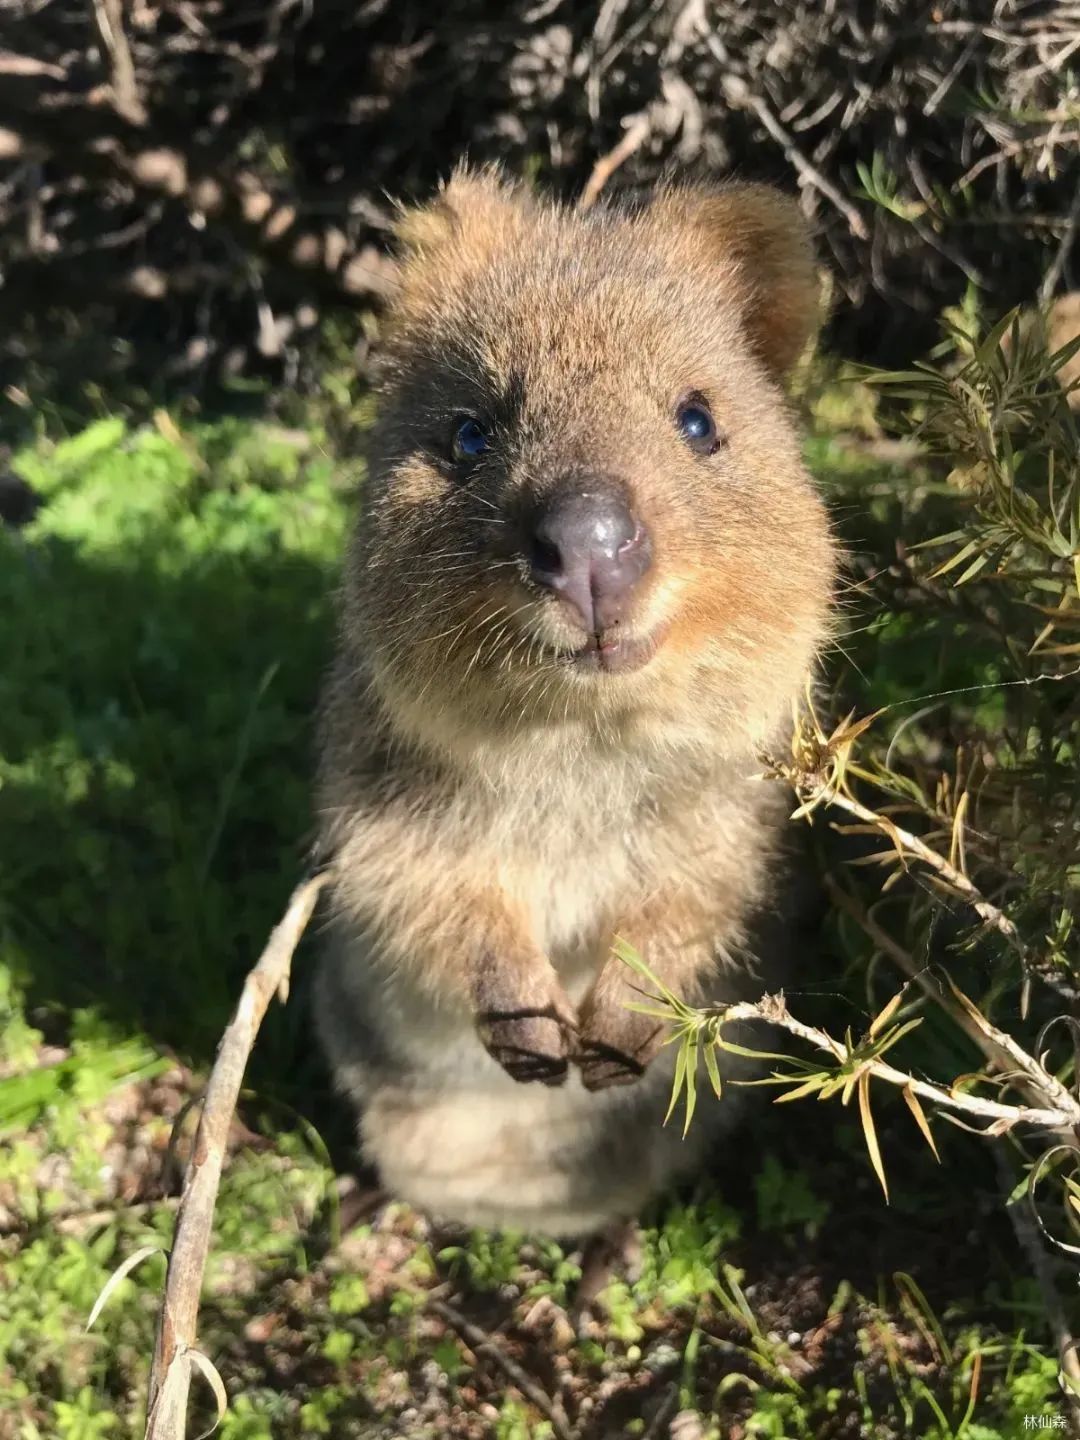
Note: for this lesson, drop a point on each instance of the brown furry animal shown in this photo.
(1052, 329)
(1062, 325)
(589, 578)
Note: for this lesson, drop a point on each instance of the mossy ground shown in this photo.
(168, 615)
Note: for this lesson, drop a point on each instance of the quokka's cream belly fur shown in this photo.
(561, 1161)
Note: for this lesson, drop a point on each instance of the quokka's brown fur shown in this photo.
(500, 810)
(1062, 324)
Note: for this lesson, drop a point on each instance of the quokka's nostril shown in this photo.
(545, 558)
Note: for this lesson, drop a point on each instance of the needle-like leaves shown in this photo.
(869, 1132)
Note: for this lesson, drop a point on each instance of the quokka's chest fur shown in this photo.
(574, 831)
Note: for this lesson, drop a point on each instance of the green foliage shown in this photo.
(54, 1275)
(786, 1200)
(992, 529)
(169, 618)
(83, 1418)
(348, 1295)
(879, 184)
(514, 1423)
(958, 804)
(681, 1256)
(95, 1067)
(490, 1260)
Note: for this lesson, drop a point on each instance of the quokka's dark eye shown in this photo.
(470, 439)
(696, 425)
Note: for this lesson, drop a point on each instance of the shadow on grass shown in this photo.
(156, 751)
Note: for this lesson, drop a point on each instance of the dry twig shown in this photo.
(174, 1352)
(636, 135)
(482, 1344)
(739, 93)
(910, 967)
(1061, 1113)
(1061, 256)
(109, 15)
(1001, 1051)
(988, 912)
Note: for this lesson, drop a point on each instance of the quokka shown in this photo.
(589, 578)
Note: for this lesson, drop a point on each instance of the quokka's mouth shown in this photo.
(613, 654)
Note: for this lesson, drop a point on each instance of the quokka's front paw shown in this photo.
(615, 1046)
(529, 1042)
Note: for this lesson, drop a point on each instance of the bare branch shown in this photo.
(171, 1369)
(1061, 256)
(109, 146)
(911, 968)
(989, 913)
(636, 135)
(1030, 1243)
(739, 93)
(773, 1009)
(483, 1345)
(1001, 1051)
(109, 15)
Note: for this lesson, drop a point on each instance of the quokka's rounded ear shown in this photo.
(475, 207)
(761, 246)
(474, 214)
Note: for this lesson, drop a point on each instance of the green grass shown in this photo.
(168, 617)
(169, 622)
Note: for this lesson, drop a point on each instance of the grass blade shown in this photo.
(121, 1272)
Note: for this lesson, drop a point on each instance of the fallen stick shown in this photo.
(175, 1354)
(482, 1345)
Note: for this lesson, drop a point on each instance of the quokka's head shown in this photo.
(586, 499)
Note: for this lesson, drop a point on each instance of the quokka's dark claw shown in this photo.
(528, 1044)
(603, 1065)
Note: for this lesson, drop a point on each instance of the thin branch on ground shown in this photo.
(664, 1414)
(482, 1344)
(174, 1353)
